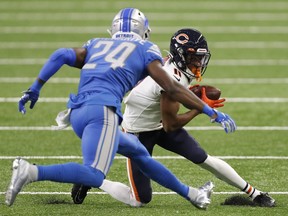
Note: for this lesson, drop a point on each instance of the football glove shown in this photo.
(29, 95)
(209, 102)
(226, 121)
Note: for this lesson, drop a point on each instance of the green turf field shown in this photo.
(249, 45)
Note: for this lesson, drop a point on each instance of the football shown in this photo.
(212, 92)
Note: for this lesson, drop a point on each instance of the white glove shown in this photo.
(63, 120)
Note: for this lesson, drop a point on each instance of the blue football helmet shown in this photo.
(130, 22)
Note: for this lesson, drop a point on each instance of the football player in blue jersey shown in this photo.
(153, 117)
(110, 67)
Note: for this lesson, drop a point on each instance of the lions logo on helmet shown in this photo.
(189, 52)
(129, 23)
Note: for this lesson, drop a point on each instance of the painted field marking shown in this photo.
(219, 62)
(267, 16)
(73, 157)
(154, 193)
(161, 44)
(193, 128)
(231, 100)
(156, 29)
(73, 80)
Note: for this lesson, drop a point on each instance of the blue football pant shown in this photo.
(97, 127)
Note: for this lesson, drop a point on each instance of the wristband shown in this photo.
(36, 86)
(208, 110)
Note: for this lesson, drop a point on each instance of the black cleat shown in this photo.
(264, 200)
(78, 193)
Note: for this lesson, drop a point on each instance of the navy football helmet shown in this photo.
(189, 52)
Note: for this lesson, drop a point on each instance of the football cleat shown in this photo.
(79, 192)
(20, 177)
(202, 200)
(264, 200)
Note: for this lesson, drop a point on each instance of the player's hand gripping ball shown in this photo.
(209, 94)
(212, 92)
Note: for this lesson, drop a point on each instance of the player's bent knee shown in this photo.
(97, 177)
(199, 158)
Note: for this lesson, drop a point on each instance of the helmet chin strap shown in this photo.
(110, 32)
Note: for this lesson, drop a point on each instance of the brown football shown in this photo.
(212, 92)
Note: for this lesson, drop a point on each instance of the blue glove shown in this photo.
(225, 120)
(29, 95)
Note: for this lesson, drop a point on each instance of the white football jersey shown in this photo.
(142, 112)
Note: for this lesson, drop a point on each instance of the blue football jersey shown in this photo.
(112, 68)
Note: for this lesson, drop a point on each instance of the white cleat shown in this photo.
(202, 200)
(20, 177)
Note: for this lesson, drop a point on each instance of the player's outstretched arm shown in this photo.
(175, 90)
(188, 98)
(72, 57)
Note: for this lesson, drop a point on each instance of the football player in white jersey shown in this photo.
(153, 116)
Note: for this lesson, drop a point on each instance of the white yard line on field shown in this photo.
(161, 44)
(166, 16)
(57, 80)
(44, 100)
(230, 100)
(217, 62)
(196, 128)
(240, 128)
(257, 100)
(156, 29)
(233, 81)
(73, 157)
(154, 193)
(34, 6)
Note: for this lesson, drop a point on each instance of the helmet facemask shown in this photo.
(197, 62)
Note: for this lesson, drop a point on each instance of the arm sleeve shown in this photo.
(55, 62)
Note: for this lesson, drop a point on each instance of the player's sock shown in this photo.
(251, 191)
(193, 193)
(71, 173)
(33, 172)
(120, 192)
(223, 171)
